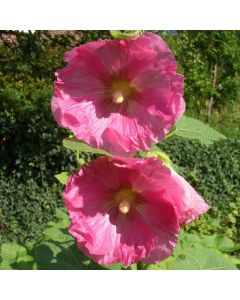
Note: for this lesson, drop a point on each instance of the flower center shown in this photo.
(124, 206)
(120, 90)
(125, 199)
(118, 97)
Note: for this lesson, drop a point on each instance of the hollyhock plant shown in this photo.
(119, 95)
(126, 210)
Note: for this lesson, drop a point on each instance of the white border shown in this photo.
(147, 285)
(122, 14)
(119, 14)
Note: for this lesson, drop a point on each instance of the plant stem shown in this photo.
(211, 101)
(77, 159)
(127, 268)
(169, 135)
(141, 266)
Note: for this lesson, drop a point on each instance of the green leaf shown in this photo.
(62, 215)
(198, 253)
(10, 254)
(25, 263)
(224, 244)
(114, 267)
(76, 145)
(164, 265)
(4, 265)
(202, 259)
(125, 34)
(57, 250)
(52, 255)
(57, 234)
(11, 251)
(193, 129)
(57, 231)
(62, 177)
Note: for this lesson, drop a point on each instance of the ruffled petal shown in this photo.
(164, 59)
(103, 233)
(83, 103)
(193, 204)
(149, 231)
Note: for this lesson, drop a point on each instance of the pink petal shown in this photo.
(149, 231)
(193, 204)
(83, 102)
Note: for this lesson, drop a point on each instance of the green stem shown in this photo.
(127, 268)
(169, 135)
(141, 266)
(78, 159)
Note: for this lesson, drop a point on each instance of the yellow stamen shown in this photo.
(124, 207)
(118, 97)
(125, 199)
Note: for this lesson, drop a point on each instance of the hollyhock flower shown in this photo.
(125, 210)
(119, 95)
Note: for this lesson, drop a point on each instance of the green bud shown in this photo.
(161, 155)
(125, 34)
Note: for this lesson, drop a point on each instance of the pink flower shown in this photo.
(119, 95)
(125, 210)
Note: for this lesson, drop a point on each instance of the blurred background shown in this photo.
(31, 151)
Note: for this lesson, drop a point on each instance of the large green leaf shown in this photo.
(74, 144)
(202, 259)
(55, 255)
(193, 129)
(63, 220)
(58, 251)
(164, 265)
(57, 234)
(218, 242)
(199, 258)
(194, 252)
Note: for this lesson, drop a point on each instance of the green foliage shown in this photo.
(26, 207)
(197, 53)
(29, 60)
(214, 172)
(30, 154)
(201, 259)
(57, 250)
(14, 256)
(194, 252)
(74, 144)
(193, 129)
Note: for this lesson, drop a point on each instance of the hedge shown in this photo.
(31, 153)
(214, 171)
